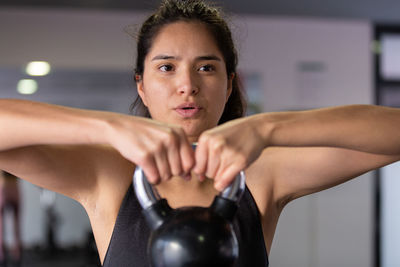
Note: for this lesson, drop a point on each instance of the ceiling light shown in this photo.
(38, 68)
(27, 86)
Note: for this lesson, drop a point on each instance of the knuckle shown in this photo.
(152, 179)
(187, 166)
(144, 158)
(210, 175)
(165, 176)
(223, 181)
(205, 137)
(217, 144)
(170, 139)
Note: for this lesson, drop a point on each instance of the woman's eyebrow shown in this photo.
(161, 57)
(209, 57)
(200, 58)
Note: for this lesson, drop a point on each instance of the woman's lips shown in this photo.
(188, 112)
(188, 109)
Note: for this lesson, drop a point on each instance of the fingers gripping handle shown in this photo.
(148, 195)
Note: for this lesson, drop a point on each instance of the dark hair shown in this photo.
(192, 10)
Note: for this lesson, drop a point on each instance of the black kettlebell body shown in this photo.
(193, 236)
(190, 236)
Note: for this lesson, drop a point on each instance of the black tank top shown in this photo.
(128, 243)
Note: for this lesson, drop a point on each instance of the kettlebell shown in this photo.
(190, 236)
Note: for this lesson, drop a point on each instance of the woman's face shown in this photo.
(184, 80)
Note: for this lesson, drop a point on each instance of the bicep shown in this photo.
(301, 171)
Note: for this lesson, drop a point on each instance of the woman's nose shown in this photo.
(187, 83)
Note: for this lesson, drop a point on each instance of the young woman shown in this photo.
(186, 79)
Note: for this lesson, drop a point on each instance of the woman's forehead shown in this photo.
(184, 39)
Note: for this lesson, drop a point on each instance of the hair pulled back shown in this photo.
(171, 11)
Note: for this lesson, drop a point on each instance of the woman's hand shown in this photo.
(222, 152)
(161, 150)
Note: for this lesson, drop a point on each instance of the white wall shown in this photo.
(332, 228)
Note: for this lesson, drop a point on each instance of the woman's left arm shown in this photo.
(293, 172)
(367, 128)
(225, 150)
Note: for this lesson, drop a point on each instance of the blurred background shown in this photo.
(293, 55)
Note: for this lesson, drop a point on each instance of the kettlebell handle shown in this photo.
(156, 209)
(148, 195)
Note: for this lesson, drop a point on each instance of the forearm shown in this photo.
(365, 128)
(25, 123)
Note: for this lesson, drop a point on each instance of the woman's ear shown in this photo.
(140, 88)
(230, 82)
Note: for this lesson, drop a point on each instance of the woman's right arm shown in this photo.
(59, 148)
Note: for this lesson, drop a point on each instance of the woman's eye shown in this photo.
(165, 68)
(207, 68)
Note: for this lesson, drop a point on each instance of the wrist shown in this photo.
(101, 127)
(265, 125)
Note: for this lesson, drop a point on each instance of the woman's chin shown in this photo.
(194, 128)
(192, 132)
(192, 135)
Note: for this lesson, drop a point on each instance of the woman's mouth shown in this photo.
(188, 110)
